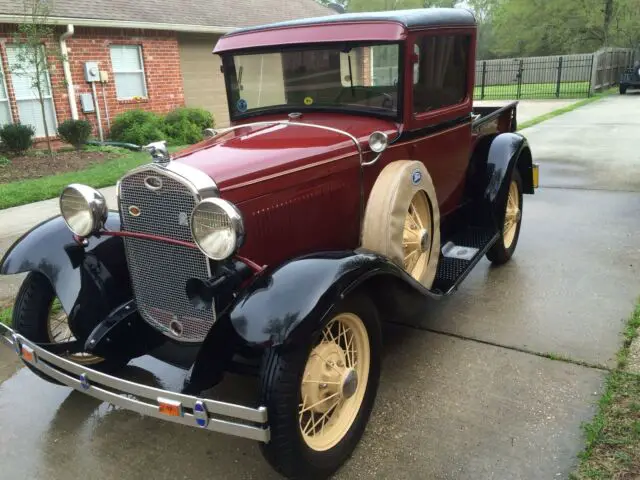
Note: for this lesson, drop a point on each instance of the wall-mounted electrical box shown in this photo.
(91, 72)
(86, 101)
(104, 76)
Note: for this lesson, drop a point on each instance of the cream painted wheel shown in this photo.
(334, 382)
(512, 215)
(415, 241)
(59, 332)
(402, 219)
(505, 246)
(320, 388)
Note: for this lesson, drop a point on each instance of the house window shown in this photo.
(128, 71)
(23, 79)
(440, 79)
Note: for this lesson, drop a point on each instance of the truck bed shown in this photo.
(487, 120)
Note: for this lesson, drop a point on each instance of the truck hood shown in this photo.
(255, 153)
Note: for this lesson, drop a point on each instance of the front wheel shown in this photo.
(504, 247)
(319, 395)
(623, 89)
(39, 317)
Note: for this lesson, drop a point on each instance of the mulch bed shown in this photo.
(41, 165)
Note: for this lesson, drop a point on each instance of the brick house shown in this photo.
(150, 55)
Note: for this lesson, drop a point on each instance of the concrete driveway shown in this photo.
(465, 393)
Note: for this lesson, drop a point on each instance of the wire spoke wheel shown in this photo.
(334, 382)
(416, 243)
(512, 215)
(59, 332)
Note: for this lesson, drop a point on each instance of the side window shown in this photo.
(440, 79)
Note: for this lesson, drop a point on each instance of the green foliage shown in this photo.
(5, 315)
(17, 138)
(185, 125)
(4, 161)
(75, 132)
(106, 149)
(137, 126)
(181, 126)
(378, 5)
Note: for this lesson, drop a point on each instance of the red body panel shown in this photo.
(303, 189)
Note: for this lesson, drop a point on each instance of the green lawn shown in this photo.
(612, 449)
(5, 315)
(102, 175)
(532, 91)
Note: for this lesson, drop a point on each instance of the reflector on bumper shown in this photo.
(174, 407)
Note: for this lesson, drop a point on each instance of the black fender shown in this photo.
(90, 281)
(288, 303)
(491, 167)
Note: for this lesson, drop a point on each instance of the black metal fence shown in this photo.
(567, 76)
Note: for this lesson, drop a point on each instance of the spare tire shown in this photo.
(402, 219)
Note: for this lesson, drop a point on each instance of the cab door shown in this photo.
(438, 108)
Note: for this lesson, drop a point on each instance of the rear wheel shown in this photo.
(319, 395)
(39, 317)
(623, 89)
(504, 247)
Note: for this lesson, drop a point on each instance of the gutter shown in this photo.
(95, 22)
(67, 70)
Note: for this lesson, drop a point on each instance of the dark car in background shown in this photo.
(630, 78)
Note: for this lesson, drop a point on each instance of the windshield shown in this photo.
(353, 77)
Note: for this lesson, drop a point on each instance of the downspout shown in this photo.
(67, 71)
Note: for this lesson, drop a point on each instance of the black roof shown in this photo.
(414, 18)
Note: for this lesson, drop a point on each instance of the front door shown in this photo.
(441, 105)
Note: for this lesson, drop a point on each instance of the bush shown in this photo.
(75, 132)
(4, 161)
(185, 125)
(138, 127)
(17, 138)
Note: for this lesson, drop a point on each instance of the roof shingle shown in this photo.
(220, 13)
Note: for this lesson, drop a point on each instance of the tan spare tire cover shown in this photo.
(387, 210)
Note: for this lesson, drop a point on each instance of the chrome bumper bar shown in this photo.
(174, 407)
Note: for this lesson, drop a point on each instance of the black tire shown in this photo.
(623, 89)
(281, 375)
(499, 254)
(30, 317)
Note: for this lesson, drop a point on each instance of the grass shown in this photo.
(568, 108)
(101, 175)
(532, 91)
(612, 449)
(5, 315)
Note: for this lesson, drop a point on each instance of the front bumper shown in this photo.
(174, 407)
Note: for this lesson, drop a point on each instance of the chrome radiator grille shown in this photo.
(159, 271)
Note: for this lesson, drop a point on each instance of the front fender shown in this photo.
(507, 151)
(289, 302)
(49, 248)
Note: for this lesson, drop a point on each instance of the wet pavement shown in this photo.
(462, 396)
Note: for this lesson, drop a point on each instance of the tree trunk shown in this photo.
(606, 24)
(42, 109)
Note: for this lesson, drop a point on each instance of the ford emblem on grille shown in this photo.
(134, 211)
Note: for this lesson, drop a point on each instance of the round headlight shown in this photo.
(217, 228)
(83, 208)
(378, 141)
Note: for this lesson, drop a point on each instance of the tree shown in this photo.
(378, 5)
(35, 38)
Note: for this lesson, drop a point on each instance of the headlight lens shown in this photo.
(217, 228)
(83, 208)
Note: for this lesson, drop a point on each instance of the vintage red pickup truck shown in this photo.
(356, 181)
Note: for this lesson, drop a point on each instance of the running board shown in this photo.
(459, 254)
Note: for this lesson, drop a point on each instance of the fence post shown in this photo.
(611, 69)
(594, 73)
(484, 76)
(559, 77)
(520, 69)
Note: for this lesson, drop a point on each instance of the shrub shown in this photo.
(4, 161)
(17, 138)
(185, 125)
(75, 132)
(138, 127)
